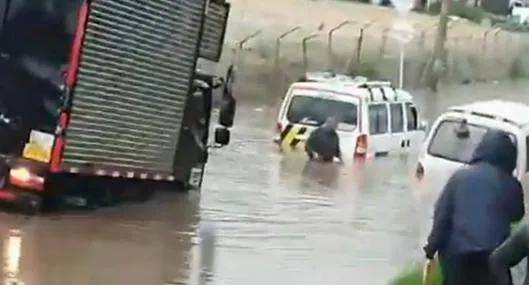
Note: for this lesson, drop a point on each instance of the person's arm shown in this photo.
(509, 253)
(516, 204)
(442, 218)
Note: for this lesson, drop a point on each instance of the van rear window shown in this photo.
(310, 110)
(447, 145)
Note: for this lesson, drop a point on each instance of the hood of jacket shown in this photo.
(497, 149)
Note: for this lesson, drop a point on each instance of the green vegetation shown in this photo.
(414, 277)
(474, 14)
(479, 16)
(462, 10)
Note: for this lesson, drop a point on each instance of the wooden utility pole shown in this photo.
(438, 60)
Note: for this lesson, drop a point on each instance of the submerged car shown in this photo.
(374, 118)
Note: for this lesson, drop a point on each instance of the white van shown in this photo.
(375, 119)
(443, 151)
(519, 10)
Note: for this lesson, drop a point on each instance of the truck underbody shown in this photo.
(101, 99)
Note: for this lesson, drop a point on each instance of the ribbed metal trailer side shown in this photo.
(214, 30)
(137, 61)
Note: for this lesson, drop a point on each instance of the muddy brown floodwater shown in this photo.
(279, 220)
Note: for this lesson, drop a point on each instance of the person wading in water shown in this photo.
(324, 142)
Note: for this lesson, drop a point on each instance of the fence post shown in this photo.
(242, 42)
(484, 39)
(304, 42)
(278, 45)
(330, 52)
(277, 54)
(361, 40)
(495, 43)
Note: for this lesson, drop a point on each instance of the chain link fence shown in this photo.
(268, 59)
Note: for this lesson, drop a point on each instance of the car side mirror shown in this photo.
(228, 102)
(222, 136)
(227, 112)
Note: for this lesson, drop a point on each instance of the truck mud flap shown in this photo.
(137, 63)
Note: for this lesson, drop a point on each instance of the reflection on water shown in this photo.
(280, 220)
(147, 244)
(12, 252)
(286, 220)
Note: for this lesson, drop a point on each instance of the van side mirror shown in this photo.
(228, 102)
(227, 111)
(222, 136)
(423, 125)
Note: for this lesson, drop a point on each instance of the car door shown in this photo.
(399, 139)
(379, 141)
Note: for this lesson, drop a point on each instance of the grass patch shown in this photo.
(460, 9)
(414, 277)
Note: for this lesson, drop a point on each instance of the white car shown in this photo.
(375, 118)
(519, 10)
(444, 151)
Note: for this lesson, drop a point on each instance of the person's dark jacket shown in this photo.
(479, 201)
(510, 253)
(325, 142)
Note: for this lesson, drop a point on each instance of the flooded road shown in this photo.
(279, 220)
(283, 220)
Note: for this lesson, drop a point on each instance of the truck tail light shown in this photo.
(22, 177)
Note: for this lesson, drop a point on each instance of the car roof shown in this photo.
(359, 87)
(514, 112)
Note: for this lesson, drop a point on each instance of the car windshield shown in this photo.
(310, 110)
(448, 145)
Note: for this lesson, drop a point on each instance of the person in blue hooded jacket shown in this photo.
(473, 213)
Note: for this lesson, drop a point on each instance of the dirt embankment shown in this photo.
(475, 52)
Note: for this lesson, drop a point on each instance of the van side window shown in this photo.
(411, 115)
(378, 119)
(527, 154)
(397, 117)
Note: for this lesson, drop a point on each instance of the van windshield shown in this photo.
(448, 145)
(310, 110)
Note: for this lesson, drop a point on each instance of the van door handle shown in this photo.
(407, 143)
(403, 143)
